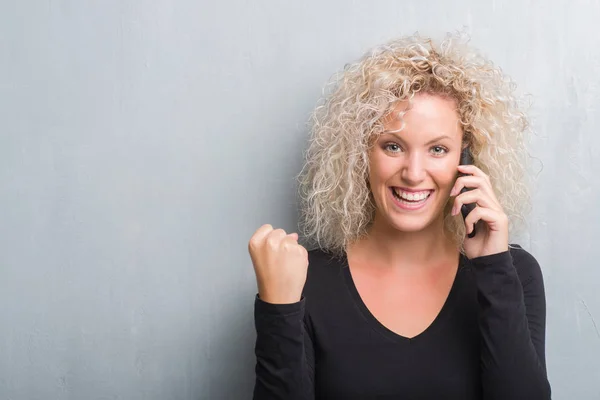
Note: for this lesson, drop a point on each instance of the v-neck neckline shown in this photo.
(442, 315)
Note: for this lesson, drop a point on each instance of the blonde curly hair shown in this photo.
(337, 206)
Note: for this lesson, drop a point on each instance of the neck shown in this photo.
(394, 248)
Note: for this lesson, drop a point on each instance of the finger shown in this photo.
(495, 220)
(260, 235)
(293, 235)
(289, 241)
(473, 196)
(473, 170)
(276, 236)
(271, 239)
(479, 180)
(467, 181)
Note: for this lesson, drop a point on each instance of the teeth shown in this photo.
(410, 196)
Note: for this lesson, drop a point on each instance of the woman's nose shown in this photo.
(413, 171)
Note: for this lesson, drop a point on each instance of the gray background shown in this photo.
(142, 143)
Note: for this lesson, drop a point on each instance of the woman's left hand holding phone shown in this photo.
(492, 234)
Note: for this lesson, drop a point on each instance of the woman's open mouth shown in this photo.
(410, 200)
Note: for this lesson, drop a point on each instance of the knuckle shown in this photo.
(475, 214)
(275, 233)
(272, 242)
(252, 244)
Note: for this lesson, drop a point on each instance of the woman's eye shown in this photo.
(438, 150)
(393, 147)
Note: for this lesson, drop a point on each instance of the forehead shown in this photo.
(425, 115)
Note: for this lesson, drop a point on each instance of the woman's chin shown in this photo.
(410, 227)
(412, 224)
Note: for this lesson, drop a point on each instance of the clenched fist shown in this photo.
(280, 264)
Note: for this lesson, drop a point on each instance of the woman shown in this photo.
(403, 297)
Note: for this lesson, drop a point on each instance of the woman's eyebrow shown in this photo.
(429, 142)
(437, 139)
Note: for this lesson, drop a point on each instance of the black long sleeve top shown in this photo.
(487, 342)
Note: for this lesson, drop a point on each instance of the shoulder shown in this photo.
(322, 261)
(324, 268)
(322, 257)
(527, 266)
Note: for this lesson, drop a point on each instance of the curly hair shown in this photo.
(337, 206)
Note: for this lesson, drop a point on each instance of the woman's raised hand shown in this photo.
(488, 214)
(280, 265)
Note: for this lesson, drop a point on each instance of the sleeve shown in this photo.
(512, 322)
(284, 352)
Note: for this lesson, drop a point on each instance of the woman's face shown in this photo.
(412, 171)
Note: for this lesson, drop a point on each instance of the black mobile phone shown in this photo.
(466, 158)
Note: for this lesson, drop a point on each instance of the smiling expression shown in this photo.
(412, 170)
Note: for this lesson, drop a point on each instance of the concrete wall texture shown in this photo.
(143, 142)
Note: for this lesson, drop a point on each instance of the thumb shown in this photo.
(293, 236)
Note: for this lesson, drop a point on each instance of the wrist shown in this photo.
(278, 298)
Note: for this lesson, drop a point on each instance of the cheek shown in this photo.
(381, 168)
(445, 176)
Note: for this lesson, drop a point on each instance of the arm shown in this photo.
(284, 352)
(283, 349)
(512, 319)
